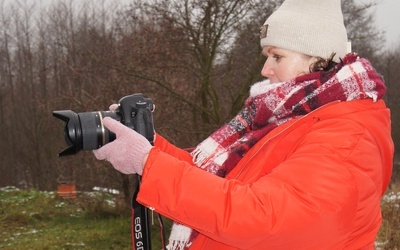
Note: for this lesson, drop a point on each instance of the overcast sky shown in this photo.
(388, 19)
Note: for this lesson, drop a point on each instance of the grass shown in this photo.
(389, 233)
(39, 220)
(31, 219)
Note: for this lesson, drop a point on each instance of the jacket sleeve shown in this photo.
(313, 194)
(167, 147)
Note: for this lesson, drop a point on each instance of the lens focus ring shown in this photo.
(92, 134)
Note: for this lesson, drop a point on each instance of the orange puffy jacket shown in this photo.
(312, 183)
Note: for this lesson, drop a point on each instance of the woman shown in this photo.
(303, 165)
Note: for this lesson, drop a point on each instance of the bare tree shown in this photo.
(389, 65)
(366, 39)
(195, 59)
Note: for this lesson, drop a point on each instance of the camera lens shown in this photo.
(94, 134)
(85, 131)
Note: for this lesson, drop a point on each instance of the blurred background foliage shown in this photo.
(195, 59)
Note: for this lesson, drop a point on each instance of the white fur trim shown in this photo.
(263, 86)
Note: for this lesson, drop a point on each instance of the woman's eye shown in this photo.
(277, 57)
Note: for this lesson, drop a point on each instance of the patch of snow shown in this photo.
(106, 190)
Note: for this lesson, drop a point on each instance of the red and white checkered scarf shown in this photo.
(270, 105)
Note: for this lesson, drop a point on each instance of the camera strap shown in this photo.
(141, 226)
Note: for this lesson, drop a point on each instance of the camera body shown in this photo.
(136, 112)
(85, 131)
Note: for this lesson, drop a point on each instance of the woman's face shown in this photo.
(282, 65)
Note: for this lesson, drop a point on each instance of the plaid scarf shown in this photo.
(270, 105)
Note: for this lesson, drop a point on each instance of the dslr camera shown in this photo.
(85, 131)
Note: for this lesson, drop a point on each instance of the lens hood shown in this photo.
(72, 131)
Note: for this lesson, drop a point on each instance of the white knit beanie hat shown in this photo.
(310, 27)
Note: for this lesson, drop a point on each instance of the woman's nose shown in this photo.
(267, 70)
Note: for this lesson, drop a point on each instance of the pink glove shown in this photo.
(113, 107)
(127, 153)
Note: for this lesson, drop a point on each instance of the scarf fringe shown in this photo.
(198, 156)
(177, 245)
(209, 155)
(180, 237)
(202, 152)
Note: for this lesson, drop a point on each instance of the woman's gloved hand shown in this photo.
(128, 152)
(113, 107)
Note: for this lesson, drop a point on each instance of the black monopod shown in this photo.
(141, 229)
